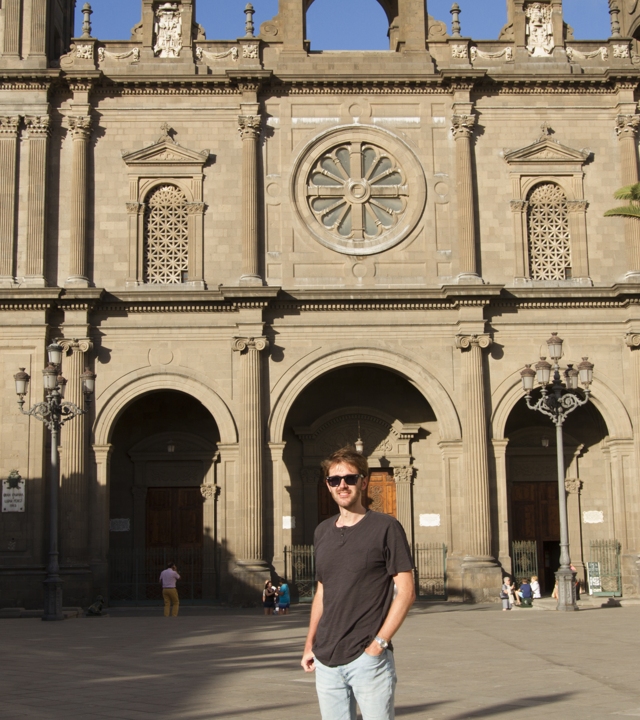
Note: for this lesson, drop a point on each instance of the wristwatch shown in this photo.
(384, 644)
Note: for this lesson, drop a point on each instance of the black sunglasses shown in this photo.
(335, 480)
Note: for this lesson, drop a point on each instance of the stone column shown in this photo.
(99, 521)
(463, 132)
(504, 551)
(210, 492)
(8, 154)
(627, 129)
(310, 479)
(404, 499)
(74, 481)
(38, 129)
(250, 496)
(250, 132)
(81, 134)
(632, 341)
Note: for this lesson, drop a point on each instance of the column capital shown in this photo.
(209, 491)
(9, 126)
(195, 208)
(463, 125)
(80, 126)
(135, 208)
(519, 206)
(242, 344)
(573, 485)
(632, 340)
(38, 126)
(75, 345)
(249, 126)
(576, 206)
(627, 125)
(464, 342)
(403, 474)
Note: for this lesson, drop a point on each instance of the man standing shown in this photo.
(360, 554)
(168, 579)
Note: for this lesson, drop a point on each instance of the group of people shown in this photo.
(524, 595)
(276, 598)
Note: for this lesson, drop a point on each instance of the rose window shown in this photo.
(358, 190)
(166, 240)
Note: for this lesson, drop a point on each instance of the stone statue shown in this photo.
(168, 31)
(539, 30)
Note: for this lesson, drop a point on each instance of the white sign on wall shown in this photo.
(288, 522)
(430, 520)
(13, 493)
(593, 517)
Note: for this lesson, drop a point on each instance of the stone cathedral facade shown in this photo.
(266, 252)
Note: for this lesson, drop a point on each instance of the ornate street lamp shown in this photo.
(54, 412)
(559, 396)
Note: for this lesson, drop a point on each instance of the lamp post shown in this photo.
(560, 396)
(54, 412)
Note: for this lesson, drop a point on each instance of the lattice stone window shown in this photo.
(166, 237)
(549, 237)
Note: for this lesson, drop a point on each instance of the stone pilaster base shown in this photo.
(481, 581)
(247, 583)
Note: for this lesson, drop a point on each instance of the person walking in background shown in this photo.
(284, 598)
(535, 587)
(269, 598)
(360, 554)
(168, 579)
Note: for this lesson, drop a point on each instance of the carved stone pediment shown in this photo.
(166, 152)
(546, 150)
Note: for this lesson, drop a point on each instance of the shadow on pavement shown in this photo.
(513, 705)
(416, 709)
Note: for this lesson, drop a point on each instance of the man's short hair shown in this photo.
(170, 564)
(349, 456)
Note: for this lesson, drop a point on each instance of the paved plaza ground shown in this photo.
(454, 662)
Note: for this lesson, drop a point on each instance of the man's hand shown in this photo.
(308, 661)
(374, 649)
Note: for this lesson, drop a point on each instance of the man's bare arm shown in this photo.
(317, 609)
(398, 610)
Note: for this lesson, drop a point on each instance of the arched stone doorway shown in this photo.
(399, 430)
(162, 498)
(532, 489)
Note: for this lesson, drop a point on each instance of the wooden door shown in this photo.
(380, 494)
(174, 518)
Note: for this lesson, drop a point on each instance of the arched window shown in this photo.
(548, 230)
(166, 237)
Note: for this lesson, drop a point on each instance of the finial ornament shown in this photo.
(248, 25)
(455, 21)
(614, 11)
(86, 23)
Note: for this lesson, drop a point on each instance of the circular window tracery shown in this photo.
(360, 193)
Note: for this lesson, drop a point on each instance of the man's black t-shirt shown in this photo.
(355, 566)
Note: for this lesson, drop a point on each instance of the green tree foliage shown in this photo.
(630, 193)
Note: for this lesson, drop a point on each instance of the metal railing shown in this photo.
(606, 553)
(300, 570)
(431, 571)
(524, 556)
(134, 575)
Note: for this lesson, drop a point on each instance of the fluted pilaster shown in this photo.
(80, 132)
(249, 126)
(627, 129)
(403, 477)
(9, 127)
(475, 450)
(12, 27)
(463, 126)
(251, 450)
(74, 484)
(38, 129)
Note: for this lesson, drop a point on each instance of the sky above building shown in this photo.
(342, 24)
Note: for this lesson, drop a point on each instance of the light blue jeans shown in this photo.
(369, 681)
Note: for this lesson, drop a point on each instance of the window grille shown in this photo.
(549, 239)
(166, 236)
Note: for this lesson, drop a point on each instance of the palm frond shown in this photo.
(628, 192)
(624, 211)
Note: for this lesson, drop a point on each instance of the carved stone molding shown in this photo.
(464, 342)
(539, 29)
(84, 52)
(403, 474)
(460, 52)
(573, 485)
(506, 53)
(249, 126)
(573, 54)
(621, 51)
(518, 206)
(195, 208)
(167, 28)
(627, 125)
(250, 52)
(134, 54)
(632, 340)
(38, 127)
(80, 127)
(242, 345)
(203, 54)
(75, 345)
(9, 126)
(135, 208)
(577, 205)
(209, 491)
(463, 125)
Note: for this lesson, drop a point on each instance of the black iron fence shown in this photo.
(134, 575)
(605, 578)
(524, 558)
(431, 571)
(300, 570)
